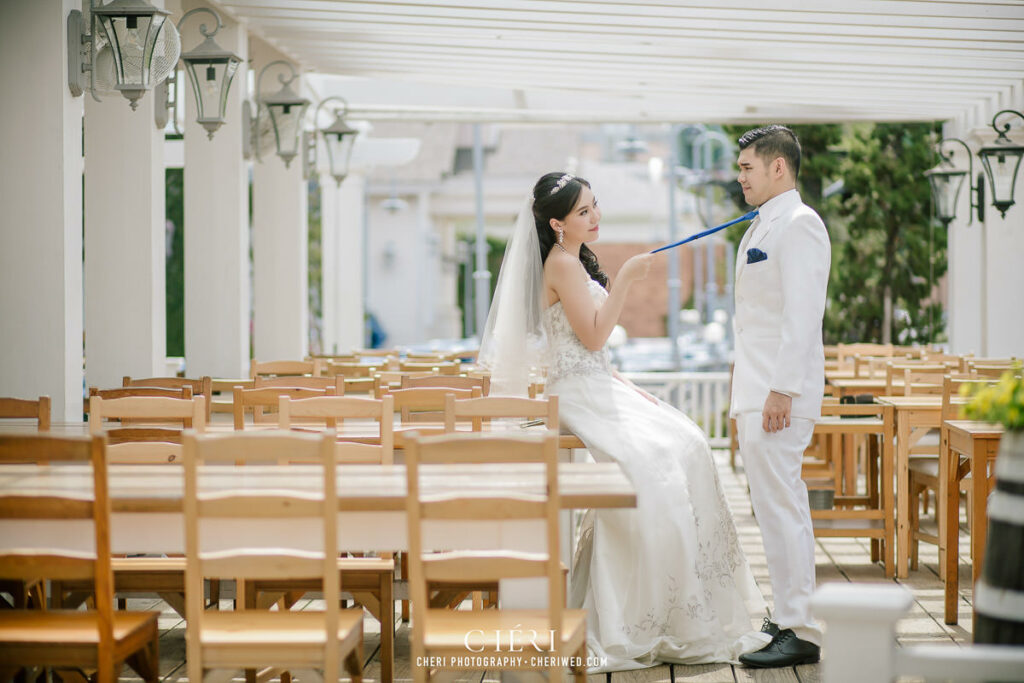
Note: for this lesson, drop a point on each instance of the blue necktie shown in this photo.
(709, 231)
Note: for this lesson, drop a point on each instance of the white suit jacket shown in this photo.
(780, 303)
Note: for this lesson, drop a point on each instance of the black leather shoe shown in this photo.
(784, 650)
(770, 627)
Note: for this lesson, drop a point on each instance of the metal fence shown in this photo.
(703, 396)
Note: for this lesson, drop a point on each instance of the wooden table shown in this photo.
(851, 386)
(977, 443)
(913, 416)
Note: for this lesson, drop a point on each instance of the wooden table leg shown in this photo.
(888, 504)
(949, 527)
(902, 494)
(979, 507)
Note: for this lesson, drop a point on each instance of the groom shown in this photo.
(778, 381)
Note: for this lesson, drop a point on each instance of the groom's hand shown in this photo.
(775, 416)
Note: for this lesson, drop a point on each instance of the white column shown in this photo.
(329, 263)
(349, 212)
(280, 234)
(125, 242)
(217, 231)
(41, 221)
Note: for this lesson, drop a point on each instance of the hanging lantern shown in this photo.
(1001, 160)
(132, 29)
(210, 70)
(286, 109)
(946, 180)
(339, 139)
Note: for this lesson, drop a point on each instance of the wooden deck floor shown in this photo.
(837, 560)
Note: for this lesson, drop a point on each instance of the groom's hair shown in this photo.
(771, 142)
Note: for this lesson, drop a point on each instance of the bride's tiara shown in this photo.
(562, 182)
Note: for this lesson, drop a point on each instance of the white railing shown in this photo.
(703, 396)
(860, 642)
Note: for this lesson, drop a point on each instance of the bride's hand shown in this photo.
(636, 267)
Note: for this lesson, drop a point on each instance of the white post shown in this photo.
(860, 630)
(351, 263)
(41, 222)
(280, 244)
(217, 231)
(330, 261)
(125, 242)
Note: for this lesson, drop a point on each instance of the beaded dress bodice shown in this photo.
(567, 356)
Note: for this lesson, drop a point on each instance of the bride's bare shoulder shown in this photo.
(559, 274)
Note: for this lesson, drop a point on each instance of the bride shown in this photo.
(666, 581)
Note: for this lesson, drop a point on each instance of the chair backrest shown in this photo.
(52, 508)
(190, 413)
(538, 454)
(450, 381)
(917, 381)
(993, 370)
(332, 409)
(250, 507)
(426, 404)
(337, 384)
(895, 370)
(437, 367)
(352, 370)
(285, 367)
(145, 452)
(202, 386)
(482, 410)
(37, 409)
(184, 392)
(846, 352)
(266, 399)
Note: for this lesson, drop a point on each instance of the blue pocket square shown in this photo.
(756, 255)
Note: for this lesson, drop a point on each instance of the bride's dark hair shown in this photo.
(558, 205)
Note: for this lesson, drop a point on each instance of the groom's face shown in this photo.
(755, 177)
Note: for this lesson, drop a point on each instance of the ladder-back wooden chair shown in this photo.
(354, 370)
(332, 411)
(445, 634)
(263, 403)
(438, 367)
(480, 411)
(35, 409)
(202, 386)
(280, 368)
(336, 384)
(254, 638)
(98, 639)
(448, 381)
(146, 417)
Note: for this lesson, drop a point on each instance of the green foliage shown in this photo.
(890, 247)
(174, 195)
(1002, 402)
(315, 256)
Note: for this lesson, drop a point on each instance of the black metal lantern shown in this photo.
(286, 109)
(946, 181)
(339, 138)
(210, 70)
(132, 28)
(1001, 160)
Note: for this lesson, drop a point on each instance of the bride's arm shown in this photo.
(634, 387)
(592, 323)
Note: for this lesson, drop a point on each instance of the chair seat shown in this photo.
(263, 629)
(446, 629)
(68, 627)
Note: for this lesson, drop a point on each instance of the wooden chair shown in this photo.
(164, 576)
(449, 381)
(352, 370)
(482, 410)
(183, 392)
(337, 384)
(139, 410)
(446, 634)
(247, 638)
(261, 401)
(438, 367)
(330, 410)
(99, 639)
(993, 370)
(846, 352)
(917, 381)
(37, 409)
(279, 368)
(924, 472)
(896, 370)
(200, 387)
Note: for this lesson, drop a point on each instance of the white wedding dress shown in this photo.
(666, 581)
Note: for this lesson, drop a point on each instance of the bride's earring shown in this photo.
(561, 235)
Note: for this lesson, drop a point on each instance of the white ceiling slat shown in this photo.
(736, 60)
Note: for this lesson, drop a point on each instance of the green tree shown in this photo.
(315, 258)
(174, 287)
(888, 254)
